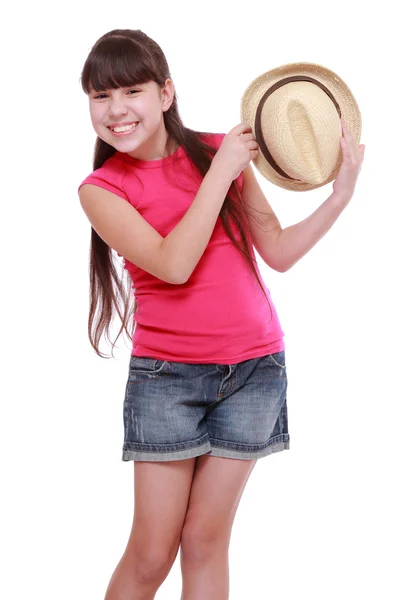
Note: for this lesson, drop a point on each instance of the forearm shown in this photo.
(186, 243)
(295, 241)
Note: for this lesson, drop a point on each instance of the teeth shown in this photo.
(124, 128)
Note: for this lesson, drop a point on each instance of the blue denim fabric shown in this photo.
(174, 411)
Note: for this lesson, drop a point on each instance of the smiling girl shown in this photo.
(206, 388)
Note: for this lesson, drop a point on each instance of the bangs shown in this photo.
(117, 63)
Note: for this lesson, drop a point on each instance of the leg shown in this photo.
(162, 491)
(217, 487)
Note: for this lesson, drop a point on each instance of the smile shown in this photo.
(124, 130)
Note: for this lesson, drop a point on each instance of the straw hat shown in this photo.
(295, 113)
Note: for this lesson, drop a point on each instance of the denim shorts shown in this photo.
(175, 410)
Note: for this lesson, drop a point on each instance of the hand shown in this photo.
(237, 149)
(350, 168)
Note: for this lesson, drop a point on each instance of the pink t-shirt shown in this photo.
(220, 315)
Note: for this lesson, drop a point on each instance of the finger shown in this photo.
(241, 128)
(349, 155)
(346, 132)
(345, 147)
(253, 154)
(349, 137)
(248, 137)
(253, 145)
(349, 146)
(345, 129)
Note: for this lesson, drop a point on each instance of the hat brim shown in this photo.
(347, 102)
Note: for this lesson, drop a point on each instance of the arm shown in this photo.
(185, 244)
(173, 258)
(295, 241)
(282, 248)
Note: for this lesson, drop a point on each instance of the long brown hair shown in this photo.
(124, 58)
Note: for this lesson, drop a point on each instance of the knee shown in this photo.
(152, 566)
(136, 572)
(199, 541)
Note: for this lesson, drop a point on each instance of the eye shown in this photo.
(99, 96)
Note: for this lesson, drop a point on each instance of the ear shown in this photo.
(167, 94)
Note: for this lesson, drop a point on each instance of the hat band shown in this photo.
(257, 125)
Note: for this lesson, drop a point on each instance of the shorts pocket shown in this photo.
(279, 359)
(142, 368)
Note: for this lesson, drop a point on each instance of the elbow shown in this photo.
(174, 274)
(177, 279)
(174, 280)
(180, 278)
(276, 263)
(281, 268)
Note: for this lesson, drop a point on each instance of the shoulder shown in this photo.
(109, 176)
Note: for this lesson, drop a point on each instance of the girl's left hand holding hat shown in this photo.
(353, 156)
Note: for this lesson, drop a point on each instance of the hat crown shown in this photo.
(297, 147)
(302, 131)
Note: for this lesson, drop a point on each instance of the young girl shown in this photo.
(206, 390)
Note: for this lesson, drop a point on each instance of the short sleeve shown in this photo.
(97, 179)
(103, 181)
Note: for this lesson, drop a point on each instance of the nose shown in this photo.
(117, 111)
(117, 107)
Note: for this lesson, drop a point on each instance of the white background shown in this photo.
(317, 521)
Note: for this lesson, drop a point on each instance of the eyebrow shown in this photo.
(124, 87)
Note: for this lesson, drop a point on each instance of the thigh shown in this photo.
(161, 493)
(217, 487)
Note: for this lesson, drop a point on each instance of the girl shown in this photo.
(206, 390)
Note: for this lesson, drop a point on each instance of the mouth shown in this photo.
(123, 129)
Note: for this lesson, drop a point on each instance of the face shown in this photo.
(142, 107)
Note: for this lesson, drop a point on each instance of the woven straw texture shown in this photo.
(300, 124)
